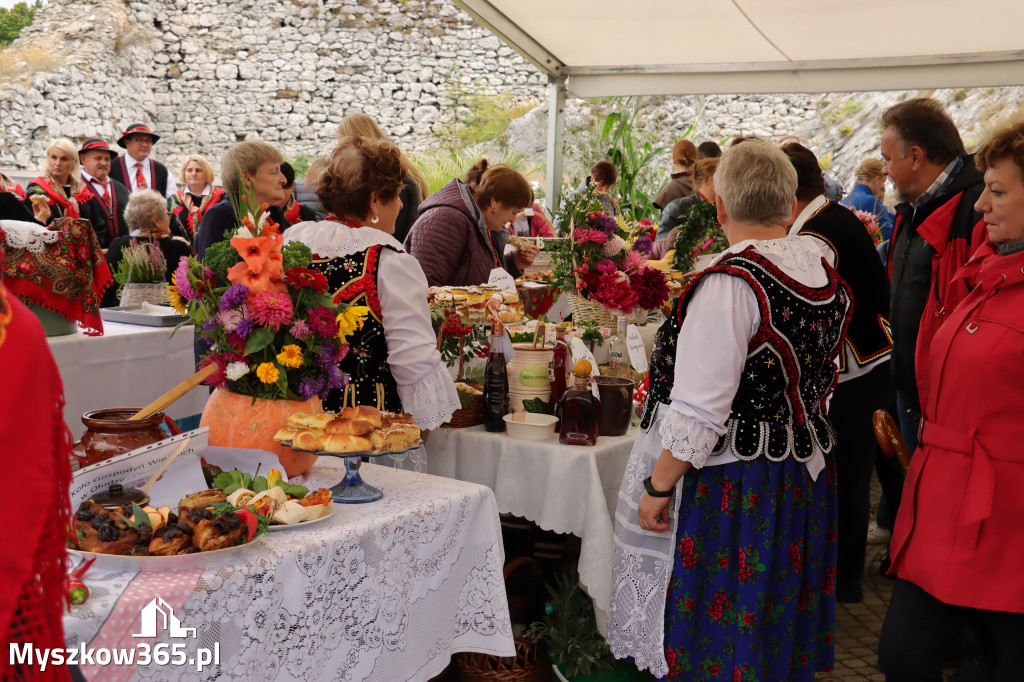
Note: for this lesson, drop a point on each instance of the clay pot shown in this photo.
(235, 421)
(616, 405)
(109, 433)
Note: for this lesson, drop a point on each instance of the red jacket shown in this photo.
(959, 534)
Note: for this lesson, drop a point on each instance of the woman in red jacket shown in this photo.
(958, 543)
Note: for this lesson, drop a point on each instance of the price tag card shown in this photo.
(637, 352)
(499, 277)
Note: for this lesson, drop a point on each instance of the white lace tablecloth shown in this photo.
(564, 488)
(385, 591)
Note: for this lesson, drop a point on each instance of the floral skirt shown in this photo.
(752, 589)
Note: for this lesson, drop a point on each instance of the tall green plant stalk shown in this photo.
(631, 151)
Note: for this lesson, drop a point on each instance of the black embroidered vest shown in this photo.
(353, 279)
(779, 407)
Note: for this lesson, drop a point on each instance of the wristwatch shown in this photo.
(649, 487)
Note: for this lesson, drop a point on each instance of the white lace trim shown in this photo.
(30, 236)
(432, 400)
(795, 253)
(688, 439)
(329, 239)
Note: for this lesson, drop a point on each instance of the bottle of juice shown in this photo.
(558, 368)
(618, 351)
(579, 409)
(495, 383)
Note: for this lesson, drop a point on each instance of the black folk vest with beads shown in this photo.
(353, 279)
(779, 407)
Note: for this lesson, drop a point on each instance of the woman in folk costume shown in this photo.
(392, 360)
(725, 551)
(196, 195)
(67, 195)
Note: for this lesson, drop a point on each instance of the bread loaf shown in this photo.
(351, 427)
(310, 420)
(366, 412)
(341, 443)
(308, 439)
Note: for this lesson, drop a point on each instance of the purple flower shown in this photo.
(327, 357)
(244, 327)
(210, 323)
(301, 330)
(604, 222)
(335, 379)
(310, 387)
(643, 244)
(233, 297)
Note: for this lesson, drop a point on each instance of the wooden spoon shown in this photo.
(148, 488)
(164, 401)
(890, 439)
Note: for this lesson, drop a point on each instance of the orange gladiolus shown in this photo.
(262, 266)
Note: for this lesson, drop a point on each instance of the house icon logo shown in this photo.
(156, 611)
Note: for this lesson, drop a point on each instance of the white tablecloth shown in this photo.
(384, 591)
(129, 366)
(564, 488)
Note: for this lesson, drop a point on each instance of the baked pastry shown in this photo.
(389, 419)
(190, 518)
(351, 427)
(100, 530)
(204, 498)
(521, 242)
(170, 541)
(388, 440)
(341, 443)
(285, 434)
(364, 412)
(309, 439)
(313, 420)
(220, 533)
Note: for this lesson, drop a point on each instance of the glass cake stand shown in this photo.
(353, 489)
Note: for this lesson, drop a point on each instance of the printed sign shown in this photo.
(635, 346)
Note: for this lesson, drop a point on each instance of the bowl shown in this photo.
(533, 427)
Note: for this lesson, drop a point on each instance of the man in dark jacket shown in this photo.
(96, 158)
(865, 382)
(135, 170)
(935, 232)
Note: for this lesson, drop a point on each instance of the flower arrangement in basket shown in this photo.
(698, 233)
(602, 264)
(870, 221)
(140, 274)
(273, 330)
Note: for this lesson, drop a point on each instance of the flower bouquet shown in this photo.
(140, 274)
(273, 330)
(699, 232)
(870, 221)
(603, 265)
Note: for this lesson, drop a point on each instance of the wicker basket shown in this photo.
(530, 664)
(468, 416)
(136, 293)
(585, 310)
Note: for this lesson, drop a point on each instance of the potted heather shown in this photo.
(140, 274)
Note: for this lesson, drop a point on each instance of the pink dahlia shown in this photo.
(185, 288)
(584, 236)
(271, 309)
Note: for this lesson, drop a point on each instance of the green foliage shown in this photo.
(845, 131)
(478, 118)
(440, 166)
(220, 256)
(537, 406)
(700, 225)
(295, 255)
(301, 164)
(14, 19)
(571, 631)
(591, 332)
(141, 263)
(631, 152)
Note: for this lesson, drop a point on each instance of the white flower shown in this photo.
(243, 233)
(613, 246)
(263, 221)
(236, 370)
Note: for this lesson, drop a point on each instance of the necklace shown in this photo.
(344, 221)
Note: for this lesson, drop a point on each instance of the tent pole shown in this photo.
(556, 134)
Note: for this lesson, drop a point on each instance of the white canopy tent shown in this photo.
(603, 48)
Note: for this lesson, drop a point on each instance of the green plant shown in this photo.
(845, 131)
(301, 164)
(591, 332)
(698, 232)
(570, 631)
(440, 166)
(478, 117)
(16, 18)
(141, 263)
(631, 152)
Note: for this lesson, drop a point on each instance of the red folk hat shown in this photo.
(98, 145)
(136, 129)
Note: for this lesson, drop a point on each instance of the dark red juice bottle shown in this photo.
(495, 383)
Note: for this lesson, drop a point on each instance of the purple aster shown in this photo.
(605, 222)
(643, 244)
(233, 297)
(210, 323)
(244, 328)
(335, 379)
(310, 387)
(301, 330)
(327, 357)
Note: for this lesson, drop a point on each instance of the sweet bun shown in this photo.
(351, 427)
(317, 420)
(341, 443)
(308, 439)
(507, 316)
(370, 414)
(287, 433)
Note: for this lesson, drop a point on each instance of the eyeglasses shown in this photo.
(140, 138)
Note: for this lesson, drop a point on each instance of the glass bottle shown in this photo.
(579, 409)
(618, 351)
(558, 368)
(495, 382)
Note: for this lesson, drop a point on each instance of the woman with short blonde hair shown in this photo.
(196, 194)
(67, 195)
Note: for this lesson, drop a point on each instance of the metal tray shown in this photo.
(131, 315)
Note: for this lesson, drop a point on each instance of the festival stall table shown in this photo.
(563, 488)
(384, 591)
(128, 366)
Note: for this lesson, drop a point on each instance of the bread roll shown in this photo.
(351, 427)
(284, 434)
(370, 414)
(310, 420)
(341, 443)
(308, 439)
(508, 316)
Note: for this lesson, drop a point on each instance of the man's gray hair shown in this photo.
(144, 208)
(756, 183)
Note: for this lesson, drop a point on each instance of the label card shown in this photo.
(579, 351)
(637, 352)
(499, 277)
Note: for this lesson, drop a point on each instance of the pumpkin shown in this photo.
(236, 421)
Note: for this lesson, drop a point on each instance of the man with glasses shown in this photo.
(136, 169)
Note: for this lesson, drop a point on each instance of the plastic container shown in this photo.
(533, 426)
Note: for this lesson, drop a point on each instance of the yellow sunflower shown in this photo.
(176, 301)
(351, 320)
(267, 373)
(290, 356)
